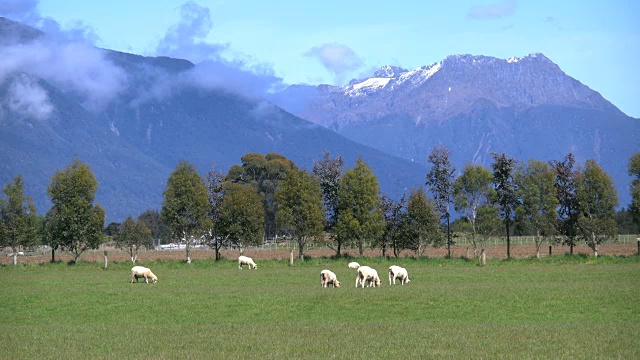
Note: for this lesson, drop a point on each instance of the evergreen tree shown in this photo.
(392, 212)
(159, 229)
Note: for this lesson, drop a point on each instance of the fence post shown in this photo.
(291, 258)
(638, 245)
(106, 262)
(550, 247)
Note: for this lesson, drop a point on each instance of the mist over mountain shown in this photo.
(475, 105)
(132, 118)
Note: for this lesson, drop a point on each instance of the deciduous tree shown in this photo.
(566, 186)
(300, 213)
(328, 172)
(215, 189)
(506, 197)
(471, 190)
(18, 219)
(634, 171)
(159, 230)
(73, 221)
(242, 215)
(536, 213)
(597, 199)
(359, 212)
(186, 205)
(392, 212)
(440, 183)
(420, 223)
(133, 235)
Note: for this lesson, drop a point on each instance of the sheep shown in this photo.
(142, 272)
(365, 274)
(353, 265)
(328, 277)
(397, 272)
(245, 260)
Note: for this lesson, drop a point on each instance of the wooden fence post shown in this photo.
(291, 258)
(550, 247)
(638, 246)
(106, 262)
(483, 257)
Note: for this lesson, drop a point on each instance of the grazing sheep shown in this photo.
(142, 272)
(365, 274)
(353, 265)
(397, 272)
(328, 277)
(244, 260)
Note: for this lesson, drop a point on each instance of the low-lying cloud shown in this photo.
(27, 98)
(65, 58)
(340, 60)
(492, 11)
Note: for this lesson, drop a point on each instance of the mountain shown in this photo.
(157, 117)
(526, 107)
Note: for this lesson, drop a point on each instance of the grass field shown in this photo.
(558, 307)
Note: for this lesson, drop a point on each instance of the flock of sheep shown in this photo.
(364, 274)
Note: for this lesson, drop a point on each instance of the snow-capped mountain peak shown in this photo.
(389, 71)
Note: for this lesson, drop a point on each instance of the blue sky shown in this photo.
(596, 42)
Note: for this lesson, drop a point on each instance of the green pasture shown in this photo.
(558, 307)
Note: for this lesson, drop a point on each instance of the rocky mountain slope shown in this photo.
(475, 105)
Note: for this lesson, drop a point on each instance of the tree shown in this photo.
(471, 190)
(487, 224)
(215, 189)
(73, 222)
(597, 199)
(159, 229)
(358, 207)
(506, 197)
(392, 212)
(440, 183)
(566, 187)
(242, 215)
(133, 235)
(18, 219)
(634, 171)
(420, 223)
(536, 212)
(264, 173)
(186, 205)
(328, 172)
(300, 213)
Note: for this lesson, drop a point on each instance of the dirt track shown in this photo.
(518, 251)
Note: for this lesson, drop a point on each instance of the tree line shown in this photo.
(269, 196)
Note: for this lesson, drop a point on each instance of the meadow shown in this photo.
(555, 307)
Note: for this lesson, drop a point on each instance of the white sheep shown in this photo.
(397, 272)
(365, 274)
(328, 277)
(353, 265)
(245, 260)
(142, 272)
